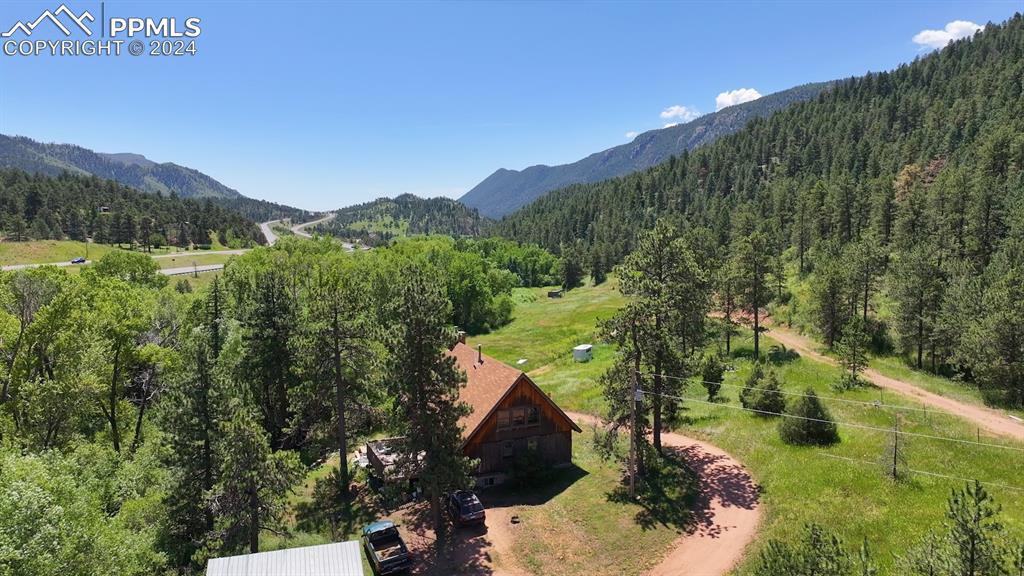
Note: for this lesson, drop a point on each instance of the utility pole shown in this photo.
(632, 437)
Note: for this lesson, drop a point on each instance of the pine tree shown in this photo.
(752, 257)
(769, 401)
(852, 351)
(808, 422)
(254, 482)
(426, 387)
(974, 532)
(712, 374)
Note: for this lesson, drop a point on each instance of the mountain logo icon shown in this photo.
(53, 16)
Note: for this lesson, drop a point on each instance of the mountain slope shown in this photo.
(135, 171)
(387, 218)
(76, 206)
(506, 191)
(835, 166)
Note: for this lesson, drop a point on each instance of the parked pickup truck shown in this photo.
(385, 549)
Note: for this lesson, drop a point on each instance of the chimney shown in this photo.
(460, 336)
(479, 354)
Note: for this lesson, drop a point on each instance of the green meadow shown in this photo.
(799, 485)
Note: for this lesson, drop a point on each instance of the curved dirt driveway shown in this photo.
(986, 418)
(727, 514)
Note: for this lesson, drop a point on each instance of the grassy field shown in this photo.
(47, 251)
(52, 251)
(544, 332)
(800, 485)
(188, 258)
(580, 524)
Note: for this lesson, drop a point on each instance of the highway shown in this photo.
(265, 227)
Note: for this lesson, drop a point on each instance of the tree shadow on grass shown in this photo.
(685, 486)
(666, 494)
(779, 354)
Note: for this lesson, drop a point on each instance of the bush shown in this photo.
(712, 374)
(814, 425)
(769, 401)
(528, 469)
(817, 553)
(747, 395)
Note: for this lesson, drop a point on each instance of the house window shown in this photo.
(503, 419)
(489, 481)
(508, 449)
(531, 443)
(532, 415)
(518, 417)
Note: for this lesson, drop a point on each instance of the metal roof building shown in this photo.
(338, 559)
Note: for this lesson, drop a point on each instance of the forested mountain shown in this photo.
(37, 207)
(135, 171)
(908, 183)
(386, 218)
(505, 191)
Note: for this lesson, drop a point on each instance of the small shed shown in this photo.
(583, 353)
(554, 293)
(338, 559)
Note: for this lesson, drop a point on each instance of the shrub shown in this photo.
(747, 395)
(817, 553)
(814, 425)
(769, 401)
(528, 469)
(712, 374)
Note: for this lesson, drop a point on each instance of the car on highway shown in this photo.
(465, 508)
(79, 260)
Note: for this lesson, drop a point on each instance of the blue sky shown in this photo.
(324, 104)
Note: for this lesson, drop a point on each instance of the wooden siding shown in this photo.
(496, 448)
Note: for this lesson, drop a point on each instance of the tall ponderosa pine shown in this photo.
(192, 409)
(752, 258)
(254, 482)
(671, 297)
(338, 353)
(425, 386)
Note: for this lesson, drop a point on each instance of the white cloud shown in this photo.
(726, 99)
(631, 134)
(955, 30)
(681, 113)
(670, 124)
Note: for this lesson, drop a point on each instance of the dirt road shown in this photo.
(728, 511)
(991, 420)
(727, 515)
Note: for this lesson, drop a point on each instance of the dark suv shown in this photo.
(465, 508)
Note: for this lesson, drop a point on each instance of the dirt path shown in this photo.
(988, 419)
(727, 511)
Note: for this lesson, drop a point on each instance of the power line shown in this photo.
(875, 404)
(925, 472)
(850, 424)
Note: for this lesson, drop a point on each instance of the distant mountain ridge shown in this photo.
(132, 170)
(136, 171)
(505, 191)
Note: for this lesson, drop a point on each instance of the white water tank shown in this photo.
(583, 353)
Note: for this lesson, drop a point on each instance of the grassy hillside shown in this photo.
(384, 219)
(800, 485)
